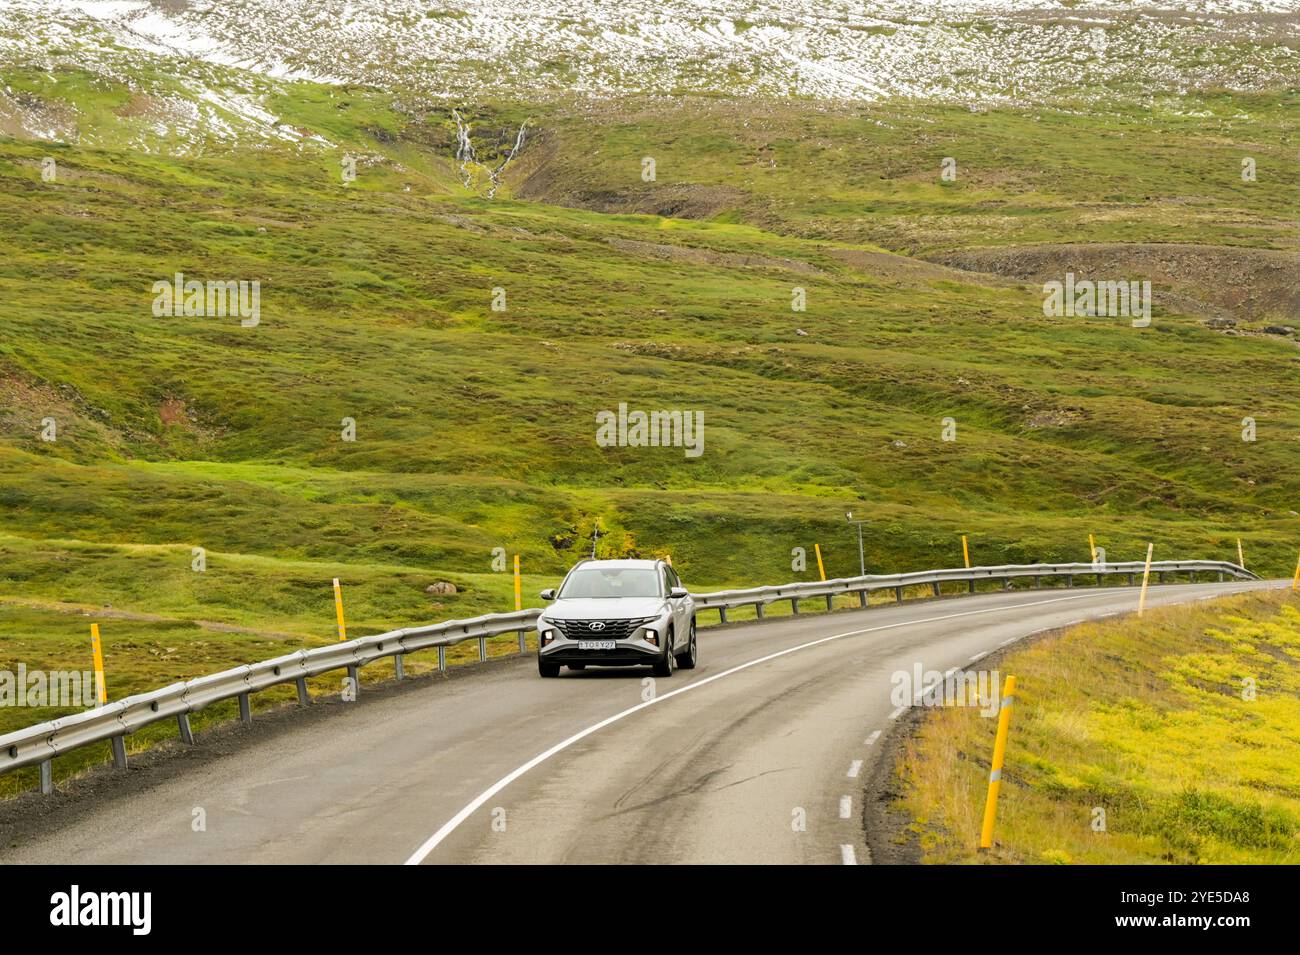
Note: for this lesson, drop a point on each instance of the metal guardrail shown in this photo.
(760, 597)
(112, 722)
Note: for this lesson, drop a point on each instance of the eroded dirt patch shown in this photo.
(1251, 285)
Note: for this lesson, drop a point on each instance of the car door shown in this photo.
(682, 608)
(666, 582)
(688, 605)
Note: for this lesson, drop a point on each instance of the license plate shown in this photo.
(595, 644)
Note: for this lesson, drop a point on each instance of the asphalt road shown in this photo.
(779, 722)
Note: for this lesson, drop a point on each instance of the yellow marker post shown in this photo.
(1092, 547)
(338, 610)
(101, 686)
(1241, 557)
(669, 559)
(999, 754)
(821, 570)
(1146, 576)
(1295, 581)
(965, 550)
(519, 598)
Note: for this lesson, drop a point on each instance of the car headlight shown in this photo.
(649, 635)
(546, 635)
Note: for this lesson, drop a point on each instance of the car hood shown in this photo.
(621, 608)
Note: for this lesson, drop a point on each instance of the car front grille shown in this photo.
(612, 629)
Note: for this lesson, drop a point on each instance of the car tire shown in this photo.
(547, 668)
(665, 665)
(687, 659)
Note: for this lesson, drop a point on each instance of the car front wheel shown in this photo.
(688, 657)
(665, 665)
(547, 668)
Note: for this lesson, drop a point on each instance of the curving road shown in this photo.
(780, 718)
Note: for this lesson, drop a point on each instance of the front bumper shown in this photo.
(556, 647)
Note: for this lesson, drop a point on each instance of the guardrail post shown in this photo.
(399, 666)
(758, 609)
(303, 697)
(1069, 580)
(830, 602)
(972, 585)
(356, 681)
(794, 605)
(119, 751)
(1146, 577)
(1131, 580)
(722, 615)
(482, 649)
(936, 590)
(1038, 582)
(898, 594)
(183, 723)
(1220, 576)
(245, 709)
(442, 659)
(47, 777)
(523, 642)
(862, 598)
(1006, 583)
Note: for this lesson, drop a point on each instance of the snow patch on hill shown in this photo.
(960, 50)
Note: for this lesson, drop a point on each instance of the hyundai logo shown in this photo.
(597, 625)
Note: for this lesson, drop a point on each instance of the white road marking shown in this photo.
(979, 656)
(875, 735)
(1005, 642)
(846, 807)
(855, 767)
(898, 712)
(450, 826)
(848, 856)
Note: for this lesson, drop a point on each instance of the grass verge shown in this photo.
(1133, 741)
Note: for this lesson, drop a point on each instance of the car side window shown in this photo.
(667, 575)
(673, 579)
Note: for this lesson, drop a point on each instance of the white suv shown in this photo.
(618, 613)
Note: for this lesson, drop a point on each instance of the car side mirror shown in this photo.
(547, 594)
(678, 592)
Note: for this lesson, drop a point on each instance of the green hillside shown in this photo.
(475, 428)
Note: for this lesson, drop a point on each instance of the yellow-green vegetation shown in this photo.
(475, 428)
(1181, 727)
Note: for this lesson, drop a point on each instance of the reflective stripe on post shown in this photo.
(999, 754)
(821, 569)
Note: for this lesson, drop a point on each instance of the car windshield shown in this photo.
(604, 582)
